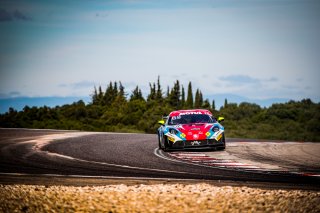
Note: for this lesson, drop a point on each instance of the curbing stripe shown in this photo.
(203, 159)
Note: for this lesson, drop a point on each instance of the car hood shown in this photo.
(195, 131)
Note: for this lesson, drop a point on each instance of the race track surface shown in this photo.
(82, 154)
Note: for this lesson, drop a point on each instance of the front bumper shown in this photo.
(199, 144)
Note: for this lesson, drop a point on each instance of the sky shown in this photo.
(253, 48)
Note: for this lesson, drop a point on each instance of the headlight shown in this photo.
(215, 129)
(173, 131)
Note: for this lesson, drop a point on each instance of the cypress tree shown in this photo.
(136, 94)
(108, 95)
(121, 97)
(174, 98)
(200, 99)
(197, 100)
(189, 102)
(168, 92)
(115, 91)
(100, 96)
(152, 95)
(225, 103)
(213, 106)
(159, 90)
(183, 100)
(95, 96)
(121, 92)
(206, 104)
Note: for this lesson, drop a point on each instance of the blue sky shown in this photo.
(257, 49)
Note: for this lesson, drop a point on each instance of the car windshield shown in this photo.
(192, 118)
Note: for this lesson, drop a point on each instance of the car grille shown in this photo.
(200, 142)
(196, 143)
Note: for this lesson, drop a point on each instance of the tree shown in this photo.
(213, 106)
(168, 92)
(174, 97)
(136, 94)
(109, 95)
(152, 94)
(225, 103)
(201, 99)
(183, 100)
(189, 102)
(100, 96)
(206, 104)
(121, 94)
(95, 96)
(115, 91)
(159, 90)
(197, 101)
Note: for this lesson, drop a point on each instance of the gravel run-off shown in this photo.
(199, 197)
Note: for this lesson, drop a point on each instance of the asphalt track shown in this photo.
(53, 153)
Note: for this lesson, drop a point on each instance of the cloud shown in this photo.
(14, 93)
(83, 84)
(6, 16)
(20, 16)
(10, 94)
(3, 95)
(247, 80)
(102, 15)
(240, 79)
(63, 85)
(272, 79)
(308, 88)
(79, 85)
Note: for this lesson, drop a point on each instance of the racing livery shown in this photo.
(196, 128)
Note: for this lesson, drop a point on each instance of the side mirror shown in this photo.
(161, 122)
(220, 119)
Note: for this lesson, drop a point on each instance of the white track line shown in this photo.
(40, 142)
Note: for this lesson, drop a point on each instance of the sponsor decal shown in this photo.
(178, 126)
(191, 113)
(195, 129)
(208, 134)
(195, 143)
(171, 139)
(182, 135)
(207, 125)
(175, 117)
(195, 136)
(219, 137)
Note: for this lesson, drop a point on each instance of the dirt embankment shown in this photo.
(200, 197)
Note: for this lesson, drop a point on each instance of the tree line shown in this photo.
(114, 110)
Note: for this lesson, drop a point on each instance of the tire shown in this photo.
(223, 147)
(160, 147)
(166, 144)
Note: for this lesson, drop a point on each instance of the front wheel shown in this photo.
(166, 144)
(223, 147)
(159, 142)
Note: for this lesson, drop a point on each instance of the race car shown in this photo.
(191, 129)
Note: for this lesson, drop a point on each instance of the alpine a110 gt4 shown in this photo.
(191, 129)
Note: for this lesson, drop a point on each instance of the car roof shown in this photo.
(190, 111)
